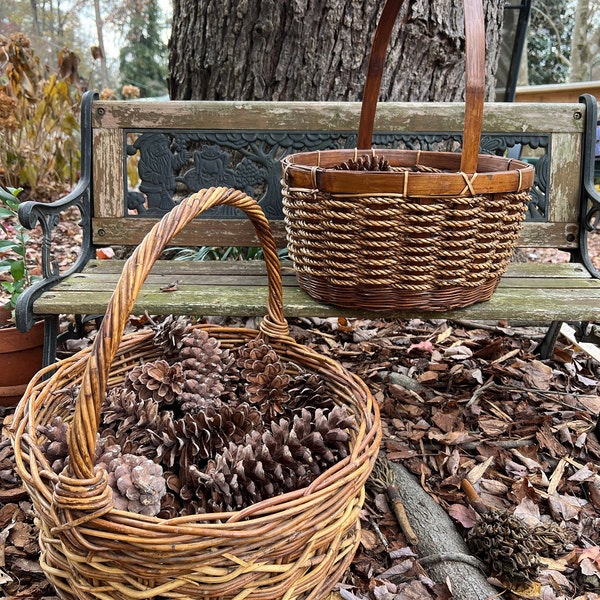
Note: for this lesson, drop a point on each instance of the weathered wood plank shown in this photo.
(238, 232)
(108, 173)
(253, 268)
(201, 232)
(533, 305)
(391, 116)
(574, 296)
(565, 169)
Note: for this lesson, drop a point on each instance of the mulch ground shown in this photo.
(459, 401)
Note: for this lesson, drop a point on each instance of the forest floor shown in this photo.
(459, 400)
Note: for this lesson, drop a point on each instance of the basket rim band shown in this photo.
(495, 174)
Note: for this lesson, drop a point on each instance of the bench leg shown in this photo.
(546, 348)
(50, 338)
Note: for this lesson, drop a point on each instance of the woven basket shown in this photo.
(296, 545)
(412, 237)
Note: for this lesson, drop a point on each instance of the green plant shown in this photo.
(216, 253)
(13, 247)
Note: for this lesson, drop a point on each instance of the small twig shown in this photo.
(548, 394)
(383, 479)
(376, 529)
(473, 497)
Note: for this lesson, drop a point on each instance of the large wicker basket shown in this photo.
(297, 545)
(436, 232)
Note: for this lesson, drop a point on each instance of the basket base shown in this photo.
(382, 298)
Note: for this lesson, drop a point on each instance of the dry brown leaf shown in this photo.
(536, 374)
(465, 515)
(368, 539)
(492, 426)
(566, 507)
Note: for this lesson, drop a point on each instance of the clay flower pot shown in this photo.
(20, 358)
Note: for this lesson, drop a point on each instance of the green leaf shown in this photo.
(17, 269)
(5, 213)
(9, 245)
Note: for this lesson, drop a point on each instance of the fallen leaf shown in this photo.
(105, 253)
(565, 506)
(464, 515)
(425, 346)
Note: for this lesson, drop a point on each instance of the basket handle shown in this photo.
(475, 79)
(84, 427)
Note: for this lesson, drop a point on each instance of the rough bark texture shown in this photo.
(449, 558)
(318, 50)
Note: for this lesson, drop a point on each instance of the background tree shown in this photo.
(563, 41)
(585, 42)
(270, 50)
(143, 58)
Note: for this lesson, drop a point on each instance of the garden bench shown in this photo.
(172, 149)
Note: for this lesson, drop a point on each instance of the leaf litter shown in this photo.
(458, 401)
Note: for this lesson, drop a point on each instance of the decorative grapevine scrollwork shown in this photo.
(172, 165)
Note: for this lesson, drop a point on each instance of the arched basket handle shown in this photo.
(84, 427)
(475, 79)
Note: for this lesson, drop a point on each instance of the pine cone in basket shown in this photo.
(129, 419)
(286, 457)
(307, 389)
(196, 437)
(205, 367)
(157, 380)
(265, 377)
(506, 545)
(55, 447)
(169, 334)
(137, 483)
(367, 162)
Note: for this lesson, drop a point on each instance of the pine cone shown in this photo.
(196, 437)
(129, 419)
(266, 378)
(205, 368)
(137, 482)
(157, 380)
(506, 544)
(307, 389)
(169, 334)
(55, 448)
(367, 162)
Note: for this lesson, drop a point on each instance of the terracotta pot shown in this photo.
(20, 358)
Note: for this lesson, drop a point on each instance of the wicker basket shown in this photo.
(296, 545)
(412, 237)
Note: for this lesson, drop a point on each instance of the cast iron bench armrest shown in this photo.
(589, 212)
(47, 215)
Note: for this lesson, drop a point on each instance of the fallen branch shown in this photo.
(443, 550)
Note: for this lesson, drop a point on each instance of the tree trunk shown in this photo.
(580, 50)
(100, 33)
(309, 50)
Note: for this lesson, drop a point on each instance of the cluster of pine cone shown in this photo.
(207, 429)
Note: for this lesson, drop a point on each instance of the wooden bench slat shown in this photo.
(239, 288)
(256, 267)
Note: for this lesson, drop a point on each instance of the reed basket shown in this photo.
(296, 545)
(435, 232)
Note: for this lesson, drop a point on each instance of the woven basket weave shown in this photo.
(436, 232)
(296, 545)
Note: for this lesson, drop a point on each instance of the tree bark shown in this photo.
(100, 34)
(580, 43)
(444, 553)
(318, 50)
